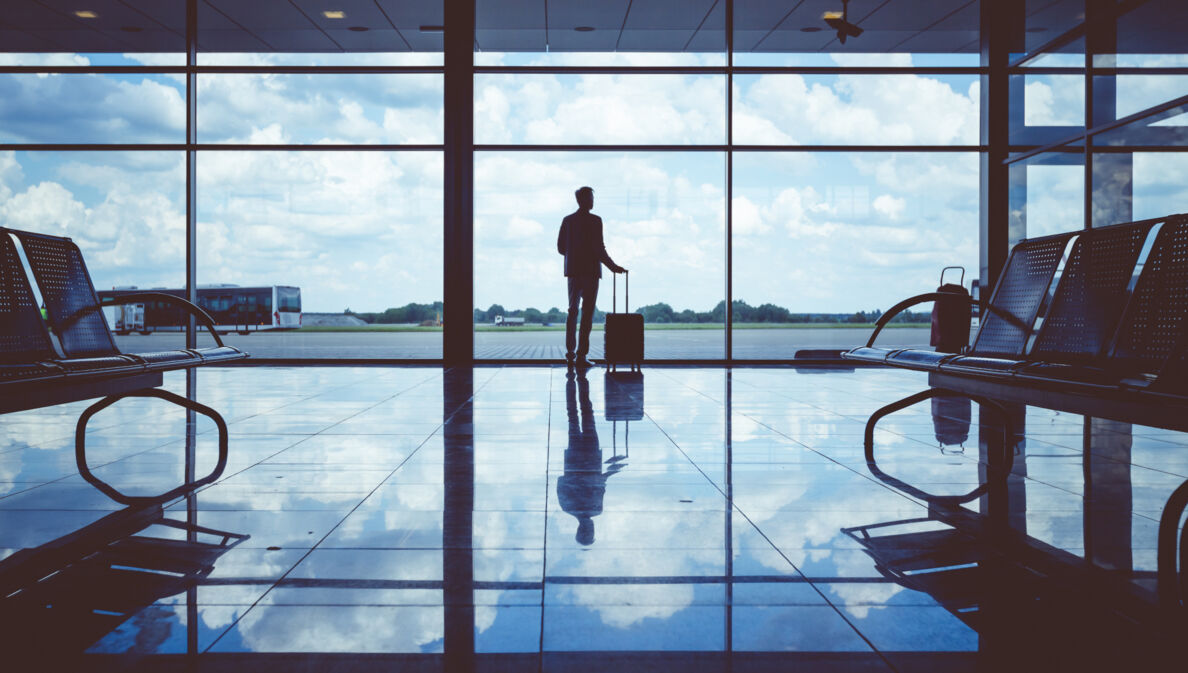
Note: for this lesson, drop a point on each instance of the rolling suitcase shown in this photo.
(623, 333)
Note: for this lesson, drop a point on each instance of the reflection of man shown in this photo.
(581, 489)
(580, 240)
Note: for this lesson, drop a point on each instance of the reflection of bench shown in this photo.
(33, 373)
(63, 596)
(1089, 322)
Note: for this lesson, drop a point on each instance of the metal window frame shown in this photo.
(458, 58)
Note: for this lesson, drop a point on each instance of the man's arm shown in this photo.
(561, 237)
(603, 256)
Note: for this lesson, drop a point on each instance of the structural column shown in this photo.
(458, 223)
(1109, 178)
(191, 168)
(1001, 29)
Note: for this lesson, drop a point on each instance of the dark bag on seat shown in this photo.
(950, 317)
(623, 334)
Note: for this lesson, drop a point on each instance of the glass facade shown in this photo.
(771, 187)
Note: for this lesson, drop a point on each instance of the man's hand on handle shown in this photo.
(618, 269)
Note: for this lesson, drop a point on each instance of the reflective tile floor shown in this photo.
(526, 519)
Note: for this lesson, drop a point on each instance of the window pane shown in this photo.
(663, 220)
(1047, 195)
(320, 108)
(1053, 100)
(856, 110)
(824, 242)
(1136, 93)
(125, 210)
(1160, 184)
(358, 234)
(92, 108)
(600, 109)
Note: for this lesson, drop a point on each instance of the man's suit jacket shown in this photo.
(580, 240)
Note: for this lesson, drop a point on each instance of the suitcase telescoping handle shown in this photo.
(626, 292)
(960, 282)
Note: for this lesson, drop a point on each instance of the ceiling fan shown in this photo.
(840, 22)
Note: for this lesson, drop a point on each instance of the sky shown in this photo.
(813, 231)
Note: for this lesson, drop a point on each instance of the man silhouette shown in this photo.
(582, 488)
(580, 240)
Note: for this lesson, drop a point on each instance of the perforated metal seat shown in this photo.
(919, 359)
(1025, 284)
(1152, 329)
(985, 366)
(167, 359)
(1094, 288)
(869, 354)
(36, 371)
(78, 320)
(1006, 326)
(111, 364)
(220, 353)
(25, 346)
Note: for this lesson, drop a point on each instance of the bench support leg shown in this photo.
(998, 469)
(1172, 567)
(80, 447)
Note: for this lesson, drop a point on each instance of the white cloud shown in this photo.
(576, 109)
(1054, 100)
(853, 109)
(889, 206)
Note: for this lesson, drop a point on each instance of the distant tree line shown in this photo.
(652, 313)
(409, 313)
(766, 313)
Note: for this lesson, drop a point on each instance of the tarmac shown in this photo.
(666, 344)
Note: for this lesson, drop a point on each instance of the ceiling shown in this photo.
(917, 26)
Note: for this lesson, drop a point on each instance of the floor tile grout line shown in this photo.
(306, 438)
(544, 566)
(348, 514)
(159, 446)
(759, 530)
(869, 478)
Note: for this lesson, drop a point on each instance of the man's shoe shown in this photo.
(583, 363)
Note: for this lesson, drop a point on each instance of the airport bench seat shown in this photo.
(34, 372)
(1094, 320)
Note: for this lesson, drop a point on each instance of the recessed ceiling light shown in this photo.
(584, 29)
(334, 14)
(86, 14)
(432, 29)
(359, 29)
(811, 29)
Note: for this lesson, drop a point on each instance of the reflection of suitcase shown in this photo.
(624, 395)
(951, 419)
(615, 461)
(623, 333)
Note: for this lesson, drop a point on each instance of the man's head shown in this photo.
(585, 531)
(585, 198)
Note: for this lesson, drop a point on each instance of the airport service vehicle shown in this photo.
(234, 309)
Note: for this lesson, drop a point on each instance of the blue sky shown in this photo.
(816, 232)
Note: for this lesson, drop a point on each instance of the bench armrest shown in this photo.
(195, 310)
(935, 296)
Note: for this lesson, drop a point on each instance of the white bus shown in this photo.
(234, 309)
